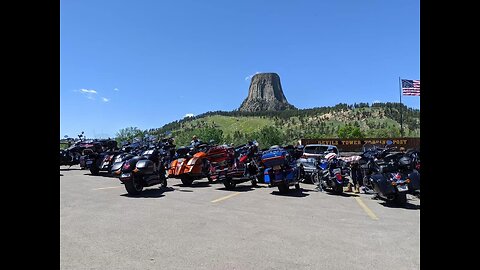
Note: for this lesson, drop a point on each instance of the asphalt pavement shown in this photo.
(206, 226)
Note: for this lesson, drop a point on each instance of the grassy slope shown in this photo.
(247, 124)
(230, 124)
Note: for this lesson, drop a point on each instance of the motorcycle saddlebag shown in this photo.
(145, 166)
(291, 174)
(382, 185)
(117, 166)
(274, 178)
(414, 181)
(172, 168)
(274, 158)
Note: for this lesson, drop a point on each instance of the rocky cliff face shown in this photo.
(265, 94)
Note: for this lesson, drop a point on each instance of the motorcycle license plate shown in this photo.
(125, 175)
(335, 171)
(402, 187)
(277, 167)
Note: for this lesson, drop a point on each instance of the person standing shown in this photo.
(356, 176)
(195, 141)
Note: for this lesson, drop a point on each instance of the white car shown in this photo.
(318, 150)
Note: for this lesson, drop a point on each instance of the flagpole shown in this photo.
(401, 116)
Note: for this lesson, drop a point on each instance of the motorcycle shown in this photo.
(415, 156)
(281, 169)
(220, 158)
(127, 152)
(239, 165)
(391, 175)
(190, 163)
(102, 161)
(70, 156)
(74, 153)
(144, 171)
(333, 173)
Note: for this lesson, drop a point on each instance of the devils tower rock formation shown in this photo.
(265, 94)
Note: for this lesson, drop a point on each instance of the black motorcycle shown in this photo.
(70, 156)
(74, 153)
(415, 156)
(145, 170)
(103, 160)
(127, 152)
(389, 174)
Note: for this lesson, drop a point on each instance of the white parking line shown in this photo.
(106, 188)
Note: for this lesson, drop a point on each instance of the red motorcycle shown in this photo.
(233, 166)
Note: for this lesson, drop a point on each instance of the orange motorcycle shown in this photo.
(190, 164)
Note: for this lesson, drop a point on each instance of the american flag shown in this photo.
(411, 87)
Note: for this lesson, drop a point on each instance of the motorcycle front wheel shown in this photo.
(133, 186)
(94, 170)
(315, 179)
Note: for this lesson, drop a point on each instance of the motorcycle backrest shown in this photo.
(182, 151)
(87, 151)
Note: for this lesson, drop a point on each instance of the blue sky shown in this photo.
(146, 63)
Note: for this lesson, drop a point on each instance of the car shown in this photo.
(318, 150)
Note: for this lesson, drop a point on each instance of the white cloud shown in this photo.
(189, 115)
(88, 91)
(250, 76)
(115, 89)
(376, 101)
(105, 99)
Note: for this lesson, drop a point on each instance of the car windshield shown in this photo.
(318, 150)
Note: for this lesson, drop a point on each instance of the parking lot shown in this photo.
(208, 227)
